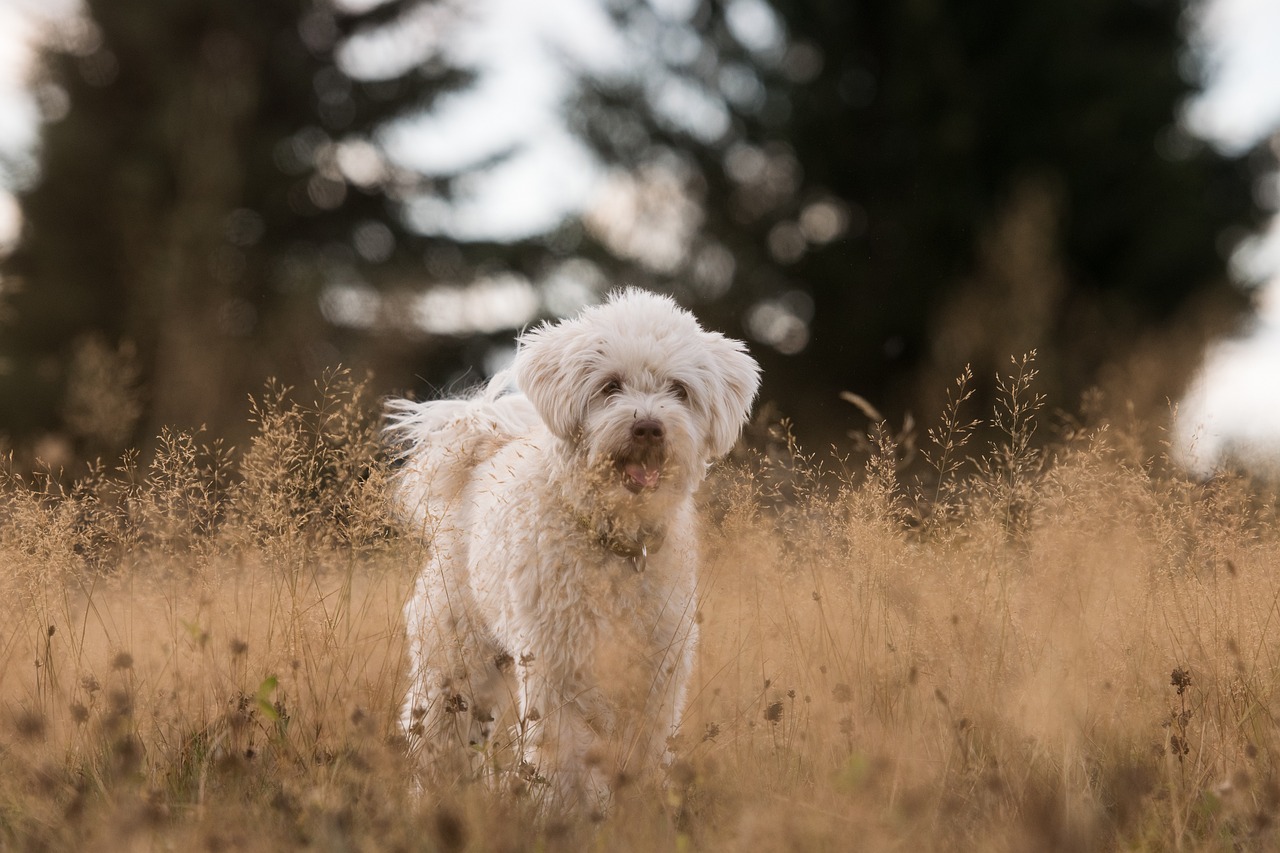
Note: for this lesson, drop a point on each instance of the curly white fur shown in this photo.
(557, 601)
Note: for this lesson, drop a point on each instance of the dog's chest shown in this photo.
(599, 588)
(580, 605)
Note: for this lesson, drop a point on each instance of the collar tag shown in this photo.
(641, 561)
(636, 550)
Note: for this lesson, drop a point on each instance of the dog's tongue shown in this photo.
(641, 475)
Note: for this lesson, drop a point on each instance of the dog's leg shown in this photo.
(458, 682)
(564, 729)
(664, 703)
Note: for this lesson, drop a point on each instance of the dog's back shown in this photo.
(441, 441)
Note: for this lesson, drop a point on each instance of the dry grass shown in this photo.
(1033, 645)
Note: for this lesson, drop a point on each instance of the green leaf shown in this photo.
(265, 705)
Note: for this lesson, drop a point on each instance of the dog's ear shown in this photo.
(551, 371)
(736, 377)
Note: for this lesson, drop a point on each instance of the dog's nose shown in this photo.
(648, 431)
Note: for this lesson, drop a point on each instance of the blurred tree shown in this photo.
(207, 167)
(907, 187)
(875, 193)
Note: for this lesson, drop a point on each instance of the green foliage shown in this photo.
(1009, 176)
(892, 190)
(190, 206)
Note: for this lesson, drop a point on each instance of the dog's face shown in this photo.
(640, 390)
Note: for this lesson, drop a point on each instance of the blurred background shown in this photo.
(201, 194)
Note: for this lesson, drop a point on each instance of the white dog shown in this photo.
(563, 545)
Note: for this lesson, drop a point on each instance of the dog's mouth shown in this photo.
(641, 471)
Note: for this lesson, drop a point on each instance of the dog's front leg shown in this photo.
(564, 727)
(458, 682)
(667, 697)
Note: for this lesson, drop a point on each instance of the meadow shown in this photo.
(1010, 630)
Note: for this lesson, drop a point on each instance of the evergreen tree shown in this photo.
(875, 193)
(210, 168)
(907, 187)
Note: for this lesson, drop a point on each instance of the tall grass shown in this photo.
(1027, 636)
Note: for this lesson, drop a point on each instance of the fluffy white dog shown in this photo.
(557, 601)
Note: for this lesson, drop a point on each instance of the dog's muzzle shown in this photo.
(641, 464)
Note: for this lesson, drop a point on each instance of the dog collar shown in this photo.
(634, 548)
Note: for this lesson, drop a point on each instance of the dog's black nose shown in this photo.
(648, 431)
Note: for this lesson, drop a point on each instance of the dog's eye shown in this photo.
(613, 386)
(680, 392)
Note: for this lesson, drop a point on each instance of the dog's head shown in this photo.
(638, 387)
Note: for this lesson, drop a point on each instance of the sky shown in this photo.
(518, 46)
(1233, 406)
(1238, 40)
(522, 52)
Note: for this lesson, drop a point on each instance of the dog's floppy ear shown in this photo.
(551, 369)
(738, 377)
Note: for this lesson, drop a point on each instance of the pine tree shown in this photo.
(907, 187)
(210, 168)
(876, 194)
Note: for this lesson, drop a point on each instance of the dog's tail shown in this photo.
(438, 442)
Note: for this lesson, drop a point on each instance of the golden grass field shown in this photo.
(1045, 641)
